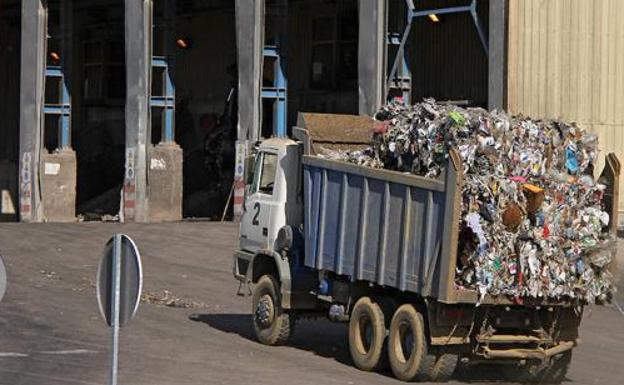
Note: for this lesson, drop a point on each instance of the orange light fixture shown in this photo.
(433, 17)
(183, 43)
(55, 56)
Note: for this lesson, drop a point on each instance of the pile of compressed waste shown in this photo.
(532, 223)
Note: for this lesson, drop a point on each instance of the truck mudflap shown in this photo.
(538, 353)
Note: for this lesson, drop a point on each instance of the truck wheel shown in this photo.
(529, 373)
(407, 344)
(556, 371)
(272, 325)
(440, 367)
(367, 334)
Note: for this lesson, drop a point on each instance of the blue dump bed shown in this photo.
(389, 228)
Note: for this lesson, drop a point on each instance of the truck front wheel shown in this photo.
(367, 334)
(272, 325)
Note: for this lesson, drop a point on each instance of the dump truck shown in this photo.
(377, 249)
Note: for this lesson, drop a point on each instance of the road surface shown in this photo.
(51, 331)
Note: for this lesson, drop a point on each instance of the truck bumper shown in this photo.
(538, 354)
(242, 263)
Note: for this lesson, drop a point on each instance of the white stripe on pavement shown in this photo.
(49, 352)
(62, 352)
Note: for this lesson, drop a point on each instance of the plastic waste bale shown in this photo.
(532, 222)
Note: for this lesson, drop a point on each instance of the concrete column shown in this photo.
(33, 54)
(165, 182)
(138, 38)
(250, 43)
(372, 55)
(497, 54)
(58, 185)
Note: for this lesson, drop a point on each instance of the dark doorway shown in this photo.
(98, 106)
(201, 46)
(322, 54)
(9, 108)
(444, 53)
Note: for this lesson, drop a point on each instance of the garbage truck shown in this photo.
(377, 249)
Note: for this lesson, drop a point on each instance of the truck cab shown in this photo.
(273, 195)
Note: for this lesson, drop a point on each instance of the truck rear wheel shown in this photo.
(556, 371)
(272, 325)
(533, 373)
(407, 344)
(367, 334)
(440, 367)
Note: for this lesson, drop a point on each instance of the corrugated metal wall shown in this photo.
(566, 59)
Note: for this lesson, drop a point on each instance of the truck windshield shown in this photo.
(264, 175)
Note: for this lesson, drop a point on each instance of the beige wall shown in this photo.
(566, 60)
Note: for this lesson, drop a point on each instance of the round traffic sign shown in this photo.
(130, 279)
(3, 279)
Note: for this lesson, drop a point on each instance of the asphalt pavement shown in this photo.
(51, 331)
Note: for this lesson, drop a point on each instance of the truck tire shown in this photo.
(272, 325)
(440, 367)
(367, 334)
(529, 373)
(556, 371)
(407, 344)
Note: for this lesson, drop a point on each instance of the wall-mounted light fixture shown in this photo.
(433, 17)
(184, 42)
(55, 56)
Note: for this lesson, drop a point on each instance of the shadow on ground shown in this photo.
(320, 337)
(329, 340)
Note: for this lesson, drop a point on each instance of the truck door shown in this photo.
(255, 222)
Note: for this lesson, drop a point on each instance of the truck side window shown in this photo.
(264, 175)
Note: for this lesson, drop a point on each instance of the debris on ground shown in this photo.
(166, 298)
(49, 274)
(532, 221)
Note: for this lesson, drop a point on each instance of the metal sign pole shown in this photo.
(118, 288)
(115, 306)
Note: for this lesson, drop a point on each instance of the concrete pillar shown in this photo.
(165, 182)
(138, 32)
(497, 54)
(372, 55)
(58, 185)
(250, 44)
(33, 57)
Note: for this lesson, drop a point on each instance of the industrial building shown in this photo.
(145, 110)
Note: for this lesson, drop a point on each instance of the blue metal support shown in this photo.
(61, 73)
(165, 101)
(412, 13)
(62, 107)
(166, 63)
(276, 92)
